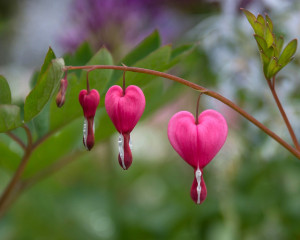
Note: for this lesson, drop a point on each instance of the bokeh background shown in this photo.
(253, 183)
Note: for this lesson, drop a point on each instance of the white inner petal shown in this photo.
(121, 149)
(198, 178)
(85, 131)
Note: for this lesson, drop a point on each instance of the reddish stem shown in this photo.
(283, 114)
(124, 87)
(213, 94)
(87, 81)
(197, 108)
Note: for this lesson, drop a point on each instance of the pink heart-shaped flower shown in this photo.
(197, 143)
(125, 110)
(89, 102)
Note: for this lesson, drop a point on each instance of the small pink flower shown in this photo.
(198, 143)
(60, 98)
(89, 102)
(125, 110)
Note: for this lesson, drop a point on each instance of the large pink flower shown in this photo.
(89, 102)
(198, 143)
(125, 110)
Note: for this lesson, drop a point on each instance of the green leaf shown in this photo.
(55, 147)
(265, 59)
(43, 91)
(179, 53)
(147, 46)
(81, 56)
(273, 67)
(269, 22)
(261, 42)
(279, 44)
(269, 37)
(250, 16)
(259, 29)
(157, 60)
(270, 52)
(49, 57)
(99, 78)
(11, 153)
(5, 94)
(34, 79)
(261, 19)
(9, 117)
(288, 53)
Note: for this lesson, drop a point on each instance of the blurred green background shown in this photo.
(253, 184)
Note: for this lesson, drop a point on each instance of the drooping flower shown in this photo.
(60, 98)
(197, 143)
(125, 108)
(89, 100)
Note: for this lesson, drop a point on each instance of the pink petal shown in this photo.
(124, 111)
(197, 144)
(89, 102)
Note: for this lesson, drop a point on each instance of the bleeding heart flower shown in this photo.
(197, 143)
(89, 102)
(125, 109)
(60, 98)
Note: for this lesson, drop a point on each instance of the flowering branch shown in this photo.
(201, 89)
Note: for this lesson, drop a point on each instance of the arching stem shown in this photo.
(201, 89)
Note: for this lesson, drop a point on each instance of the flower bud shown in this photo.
(125, 110)
(60, 98)
(89, 102)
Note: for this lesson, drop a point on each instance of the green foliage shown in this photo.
(269, 45)
(9, 117)
(5, 95)
(47, 82)
(157, 60)
(81, 56)
(55, 147)
(148, 45)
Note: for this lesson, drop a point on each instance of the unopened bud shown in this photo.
(60, 98)
(89, 102)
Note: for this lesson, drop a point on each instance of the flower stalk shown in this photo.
(203, 90)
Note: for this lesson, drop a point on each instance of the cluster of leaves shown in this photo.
(63, 126)
(270, 46)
